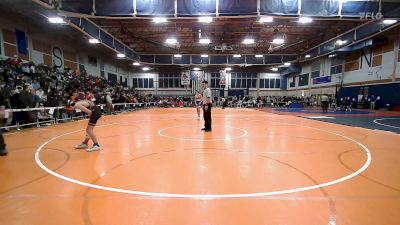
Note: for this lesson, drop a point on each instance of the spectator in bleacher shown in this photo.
(35, 99)
(26, 97)
(110, 107)
(54, 99)
(3, 150)
(35, 84)
(180, 103)
(40, 94)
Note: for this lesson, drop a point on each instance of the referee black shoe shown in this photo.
(3, 152)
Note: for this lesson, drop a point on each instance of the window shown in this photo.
(143, 82)
(303, 79)
(352, 61)
(254, 82)
(243, 80)
(170, 80)
(292, 82)
(265, 83)
(140, 82)
(215, 78)
(270, 83)
(93, 61)
(233, 83)
(315, 70)
(336, 66)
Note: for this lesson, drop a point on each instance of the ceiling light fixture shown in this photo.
(56, 20)
(159, 20)
(178, 56)
(259, 56)
(237, 56)
(93, 41)
(120, 55)
(196, 69)
(136, 63)
(205, 19)
(146, 69)
(307, 56)
(228, 69)
(266, 19)
(305, 20)
(389, 22)
(204, 56)
(278, 41)
(274, 69)
(340, 42)
(171, 41)
(204, 41)
(287, 64)
(248, 41)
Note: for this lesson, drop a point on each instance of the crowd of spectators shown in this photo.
(26, 85)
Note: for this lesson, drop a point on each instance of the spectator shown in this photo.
(35, 85)
(26, 97)
(110, 107)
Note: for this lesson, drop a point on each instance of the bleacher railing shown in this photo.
(54, 115)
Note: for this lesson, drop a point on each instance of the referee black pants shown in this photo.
(325, 106)
(207, 117)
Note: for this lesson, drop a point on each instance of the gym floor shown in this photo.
(157, 167)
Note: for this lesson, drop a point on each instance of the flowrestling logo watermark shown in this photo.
(371, 16)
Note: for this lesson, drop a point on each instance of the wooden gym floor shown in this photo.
(157, 168)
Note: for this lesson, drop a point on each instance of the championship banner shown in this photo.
(222, 78)
(185, 78)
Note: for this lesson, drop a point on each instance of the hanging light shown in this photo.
(56, 20)
(205, 19)
(204, 41)
(267, 19)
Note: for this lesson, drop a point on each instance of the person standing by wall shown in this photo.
(373, 101)
(325, 103)
(3, 150)
(110, 107)
(207, 104)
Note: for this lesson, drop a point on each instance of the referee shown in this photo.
(207, 104)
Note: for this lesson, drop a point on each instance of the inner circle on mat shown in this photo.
(194, 133)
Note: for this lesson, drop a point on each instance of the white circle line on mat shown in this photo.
(382, 124)
(160, 132)
(208, 196)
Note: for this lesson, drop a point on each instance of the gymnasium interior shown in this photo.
(303, 97)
